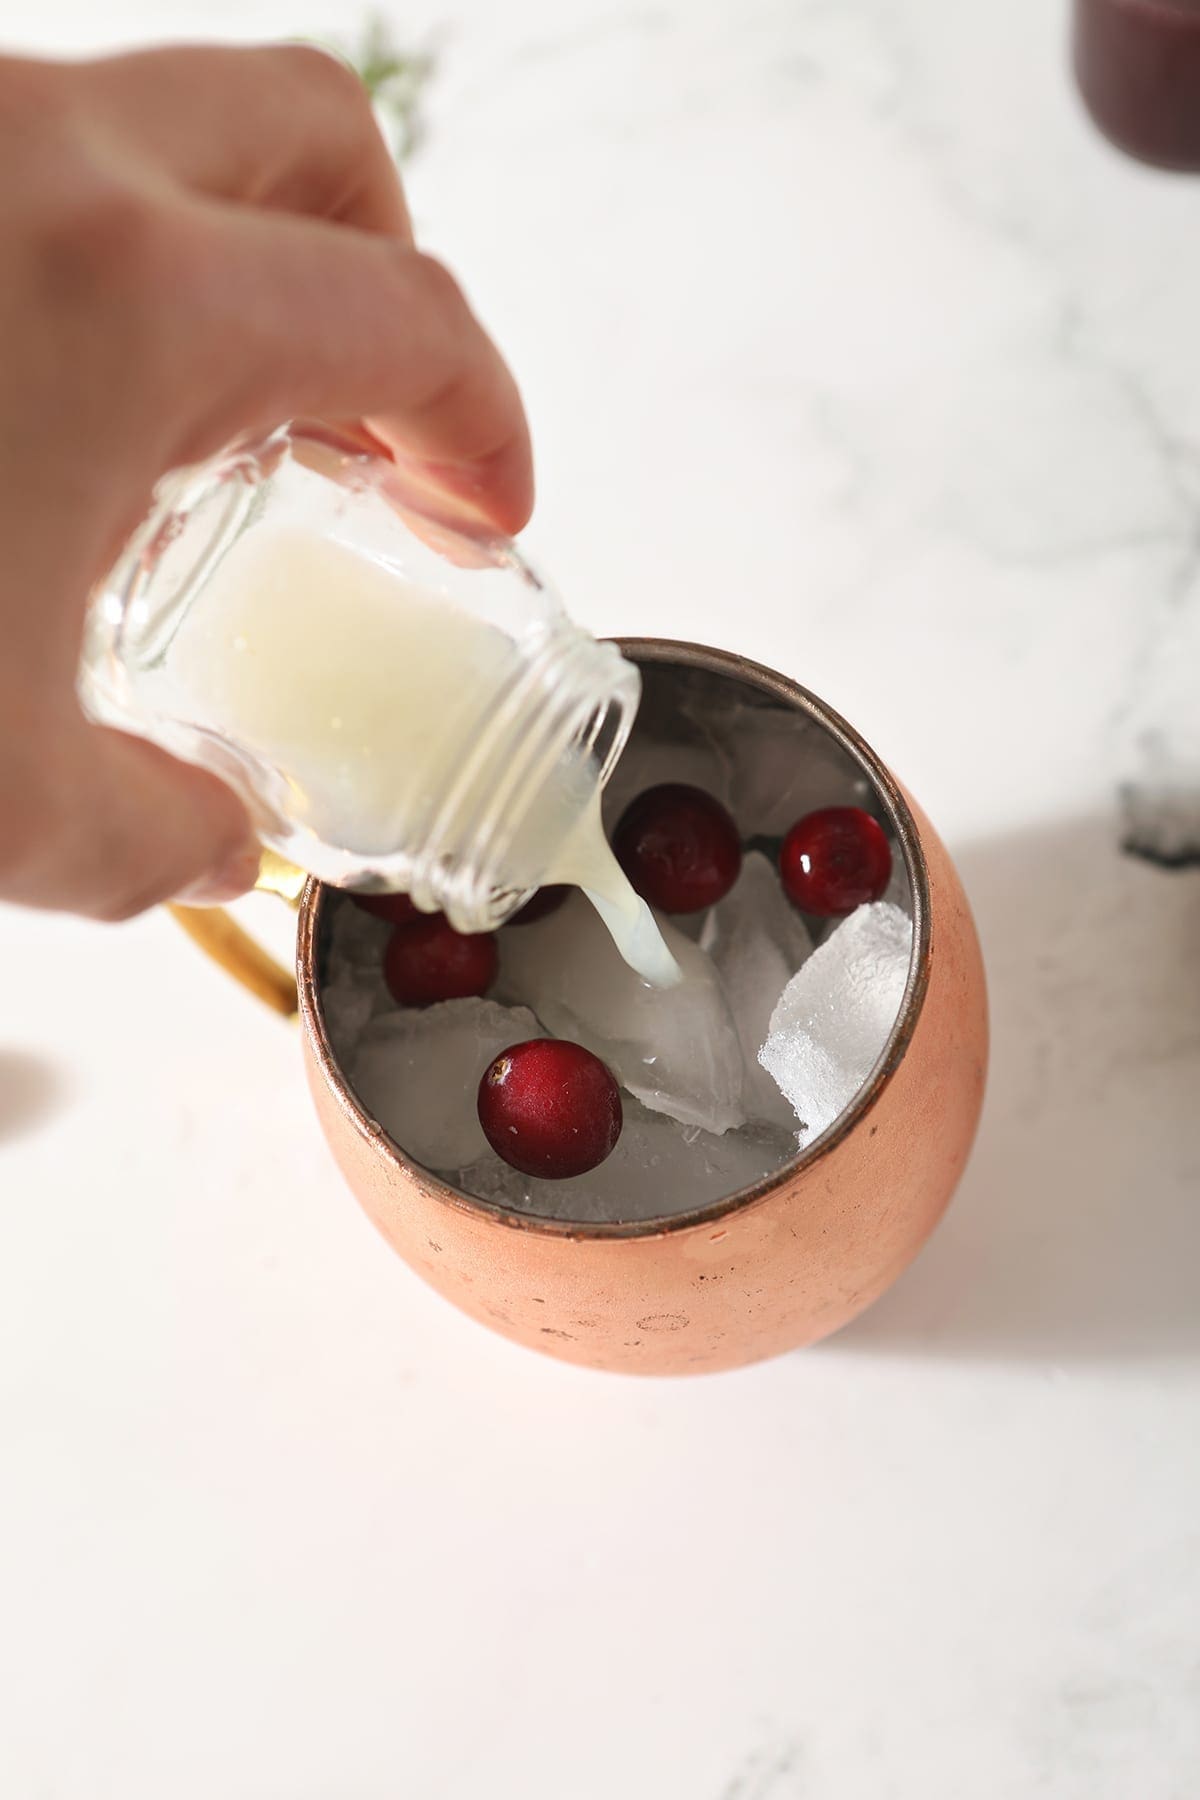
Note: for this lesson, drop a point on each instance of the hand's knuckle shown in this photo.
(320, 73)
(439, 287)
(103, 243)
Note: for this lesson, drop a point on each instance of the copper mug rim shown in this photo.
(767, 680)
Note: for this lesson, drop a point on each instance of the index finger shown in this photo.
(286, 127)
(324, 321)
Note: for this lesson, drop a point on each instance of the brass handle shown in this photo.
(235, 951)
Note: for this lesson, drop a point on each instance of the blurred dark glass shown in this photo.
(1138, 67)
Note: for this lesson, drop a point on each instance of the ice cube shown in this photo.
(658, 1168)
(898, 891)
(692, 925)
(348, 1004)
(783, 766)
(833, 1018)
(758, 941)
(417, 1072)
(646, 762)
(675, 1048)
(353, 989)
(357, 938)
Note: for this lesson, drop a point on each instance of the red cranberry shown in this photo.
(429, 961)
(679, 847)
(545, 901)
(397, 909)
(834, 860)
(550, 1108)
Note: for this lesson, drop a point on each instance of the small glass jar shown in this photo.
(400, 701)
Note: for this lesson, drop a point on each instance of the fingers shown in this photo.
(121, 826)
(284, 126)
(279, 278)
(214, 241)
(293, 317)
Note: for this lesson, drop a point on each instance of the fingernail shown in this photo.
(228, 881)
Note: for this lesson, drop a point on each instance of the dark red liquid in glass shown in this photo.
(1138, 67)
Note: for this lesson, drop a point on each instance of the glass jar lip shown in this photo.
(769, 682)
(573, 704)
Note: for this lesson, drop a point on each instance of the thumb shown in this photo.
(129, 826)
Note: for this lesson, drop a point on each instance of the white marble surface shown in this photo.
(845, 344)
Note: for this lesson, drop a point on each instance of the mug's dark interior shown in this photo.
(696, 703)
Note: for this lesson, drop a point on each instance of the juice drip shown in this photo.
(586, 861)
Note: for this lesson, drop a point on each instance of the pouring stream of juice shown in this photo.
(349, 680)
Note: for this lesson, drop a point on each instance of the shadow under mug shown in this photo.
(760, 1272)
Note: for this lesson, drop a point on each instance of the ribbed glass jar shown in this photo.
(401, 702)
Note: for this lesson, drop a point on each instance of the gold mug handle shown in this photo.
(221, 937)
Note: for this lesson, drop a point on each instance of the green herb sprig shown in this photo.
(396, 80)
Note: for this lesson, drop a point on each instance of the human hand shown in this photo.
(197, 242)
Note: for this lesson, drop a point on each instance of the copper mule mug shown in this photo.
(762, 1271)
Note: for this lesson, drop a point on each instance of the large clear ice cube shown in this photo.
(834, 1017)
(417, 1072)
(758, 941)
(675, 1048)
(783, 766)
(899, 888)
(357, 939)
(354, 990)
(647, 762)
